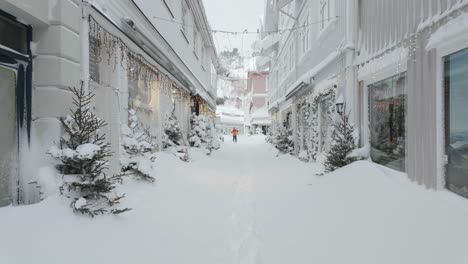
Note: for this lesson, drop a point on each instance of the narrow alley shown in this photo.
(248, 206)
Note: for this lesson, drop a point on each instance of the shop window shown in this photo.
(387, 120)
(456, 121)
(139, 94)
(15, 105)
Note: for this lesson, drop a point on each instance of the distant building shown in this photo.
(258, 117)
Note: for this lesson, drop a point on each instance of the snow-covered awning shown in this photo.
(306, 77)
(266, 43)
(457, 28)
(296, 89)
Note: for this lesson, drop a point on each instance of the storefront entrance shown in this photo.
(8, 133)
(456, 121)
(15, 103)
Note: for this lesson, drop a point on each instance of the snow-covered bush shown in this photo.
(284, 141)
(173, 139)
(139, 155)
(198, 134)
(343, 146)
(173, 131)
(271, 135)
(203, 134)
(83, 153)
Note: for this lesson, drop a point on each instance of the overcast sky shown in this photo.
(234, 15)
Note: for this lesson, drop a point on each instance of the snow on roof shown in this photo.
(456, 27)
(260, 113)
(266, 42)
(395, 57)
(225, 119)
(324, 86)
(229, 110)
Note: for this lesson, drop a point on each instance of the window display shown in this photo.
(456, 121)
(387, 120)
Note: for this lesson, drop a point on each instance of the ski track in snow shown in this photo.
(245, 241)
(244, 205)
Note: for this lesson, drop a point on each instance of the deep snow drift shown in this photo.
(245, 205)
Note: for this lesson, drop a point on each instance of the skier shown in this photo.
(234, 133)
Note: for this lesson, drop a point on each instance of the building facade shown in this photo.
(398, 66)
(258, 116)
(154, 57)
(311, 68)
(413, 89)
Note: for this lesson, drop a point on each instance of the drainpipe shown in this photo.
(350, 92)
(84, 47)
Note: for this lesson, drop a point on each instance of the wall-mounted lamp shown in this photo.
(340, 108)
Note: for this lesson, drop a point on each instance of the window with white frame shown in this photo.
(170, 6)
(325, 13)
(291, 57)
(184, 17)
(203, 55)
(305, 35)
(195, 41)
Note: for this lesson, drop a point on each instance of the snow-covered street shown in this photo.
(245, 205)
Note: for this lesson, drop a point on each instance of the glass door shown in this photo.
(456, 121)
(8, 142)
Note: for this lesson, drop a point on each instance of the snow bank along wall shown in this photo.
(128, 59)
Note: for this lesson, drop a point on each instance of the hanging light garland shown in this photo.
(134, 64)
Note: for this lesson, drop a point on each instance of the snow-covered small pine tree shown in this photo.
(203, 134)
(139, 155)
(271, 135)
(198, 134)
(173, 131)
(284, 141)
(83, 154)
(173, 139)
(342, 145)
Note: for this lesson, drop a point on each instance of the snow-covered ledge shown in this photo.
(452, 35)
(385, 66)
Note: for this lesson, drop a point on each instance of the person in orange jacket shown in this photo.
(234, 133)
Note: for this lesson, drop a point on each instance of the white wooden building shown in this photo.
(399, 66)
(151, 56)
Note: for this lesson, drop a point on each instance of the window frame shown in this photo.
(388, 71)
(305, 36)
(184, 18)
(324, 20)
(393, 81)
(444, 48)
(326, 23)
(21, 63)
(196, 43)
(170, 6)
